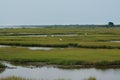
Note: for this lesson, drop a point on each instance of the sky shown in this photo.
(51, 12)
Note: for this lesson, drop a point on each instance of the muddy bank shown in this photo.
(101, 65)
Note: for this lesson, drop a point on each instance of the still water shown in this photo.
(55, 35)
(116, 41)
(30, 48)
(54, 73)
(44, 35)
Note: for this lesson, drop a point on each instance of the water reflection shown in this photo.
(31, 48)
(39, 48)
(53, 73)
(39, 35)
(53, 35)
(115, 41)
(2, 46)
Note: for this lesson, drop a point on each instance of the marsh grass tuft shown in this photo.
(2, 65)
(13, 78)
(91, 78)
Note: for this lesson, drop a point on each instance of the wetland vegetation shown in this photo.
(67, 56)
(91, 45)
(13, 78)
(18, 78)
(64, 47)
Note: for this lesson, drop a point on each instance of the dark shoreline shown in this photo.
(33, 65)
(69, 45)
(41, 64)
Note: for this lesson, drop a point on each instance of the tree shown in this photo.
(110, 24)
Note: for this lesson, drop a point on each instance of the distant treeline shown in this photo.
(65, 26)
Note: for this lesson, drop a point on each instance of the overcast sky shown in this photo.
(40, 12)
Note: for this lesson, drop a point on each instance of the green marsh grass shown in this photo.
(92, 45)
(76, 41)
(68, 56)
(64, 30)
(88, 37)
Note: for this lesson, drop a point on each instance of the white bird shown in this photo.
(60, 39)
